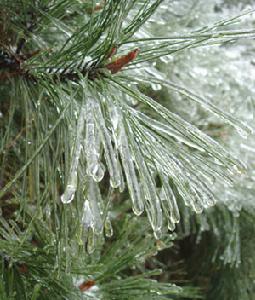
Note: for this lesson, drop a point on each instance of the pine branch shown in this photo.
(96, 135)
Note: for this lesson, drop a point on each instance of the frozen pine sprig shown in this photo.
(119, 138)
(84, 143)
(93, 207)
(137, 145)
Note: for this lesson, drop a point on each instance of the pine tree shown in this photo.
(127, 167)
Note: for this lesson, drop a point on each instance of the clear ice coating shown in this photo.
(92, 145)
(92, 215)
(108, 227)
(95, 202)
(87, 216)
(127, 161)
(110, 154)
(152, 202)
(169, 202)
(242, 128)
(90, 241)
(71, 186)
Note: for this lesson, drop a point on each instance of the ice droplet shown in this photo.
(68, 195)
(242, 133)
(98, 172)
(170, 225)
(156, 87)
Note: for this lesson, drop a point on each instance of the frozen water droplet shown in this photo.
(156, 86)
(171, 225)
(137, 210)
(114, 184)
(122, 185)
(242, 132)
(98, 172)
(68, 195)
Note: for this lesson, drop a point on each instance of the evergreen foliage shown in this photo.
(107, 182)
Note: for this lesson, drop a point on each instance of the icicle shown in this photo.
(127, 162)
(71, 186)
(122, 185)
(170, 225)
(196, 204)
(114, 117)
(122, 182)
(171, 201)
(108, 227)
(89, 225)
(69, 193)
(87, 217)
(92, 145)
(167, 208)
(91, 241)
(201, 195)
(193, 195)
(110, 155)
(95, 200)
(206, 195)
(153, 207)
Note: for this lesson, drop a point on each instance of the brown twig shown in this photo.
(86, 285)
(122, 61)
